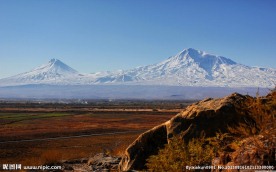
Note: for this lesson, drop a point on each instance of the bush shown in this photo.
(176, 155)
(261, 111)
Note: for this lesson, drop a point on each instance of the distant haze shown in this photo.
(121, 92)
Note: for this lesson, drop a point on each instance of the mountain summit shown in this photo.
(195, 63)
(54, 68)
(189, 67)
(53, 72)
(206, 61)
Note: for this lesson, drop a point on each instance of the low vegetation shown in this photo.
(177, 154)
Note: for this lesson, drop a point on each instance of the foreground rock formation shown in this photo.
(98, 163)
(209, 116)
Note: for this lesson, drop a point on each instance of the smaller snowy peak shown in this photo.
(56, 66)
(56, 62)
(53, 72)
(53, 60)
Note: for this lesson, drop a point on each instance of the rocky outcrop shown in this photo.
(208, 116)
(145, 145)
(98, 163)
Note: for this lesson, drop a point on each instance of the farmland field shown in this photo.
(37, 133)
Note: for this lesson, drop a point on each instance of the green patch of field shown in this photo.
(7, 118)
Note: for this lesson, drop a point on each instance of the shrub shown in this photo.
(177, 154)
(261, 132)
(262, 111)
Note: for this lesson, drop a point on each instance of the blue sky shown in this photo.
(100, 35)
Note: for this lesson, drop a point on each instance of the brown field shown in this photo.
(35, 133)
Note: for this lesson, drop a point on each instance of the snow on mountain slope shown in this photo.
(197, 68)
(53, 69)
(53, 72)
(190, 67)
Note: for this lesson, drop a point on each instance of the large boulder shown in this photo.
(209, 115)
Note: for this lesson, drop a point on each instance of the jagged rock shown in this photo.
(101, 162)
(209, 115)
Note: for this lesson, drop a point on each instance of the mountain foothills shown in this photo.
(190, 67)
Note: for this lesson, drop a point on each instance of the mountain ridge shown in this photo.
(192, 67)
(189, 67)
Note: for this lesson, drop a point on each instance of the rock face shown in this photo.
(209, 115)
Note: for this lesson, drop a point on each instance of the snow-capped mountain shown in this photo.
(190, 67)
(197, 68)
(54, 72)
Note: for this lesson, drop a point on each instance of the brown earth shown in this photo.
(20, 124)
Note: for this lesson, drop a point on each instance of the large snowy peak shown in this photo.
(185, 68)
(205, 61)
(190, 61)
(192, 67)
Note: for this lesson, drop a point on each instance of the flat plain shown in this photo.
(35, 133)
